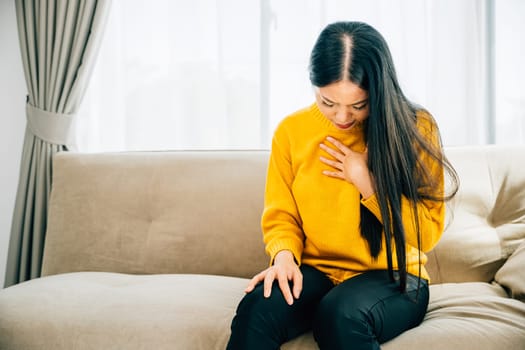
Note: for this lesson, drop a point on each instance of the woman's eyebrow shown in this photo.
(360, 102)
(353, 104)
(326, 99)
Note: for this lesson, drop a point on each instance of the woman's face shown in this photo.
(344, 103)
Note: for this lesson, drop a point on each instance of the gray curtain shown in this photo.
(59, 40)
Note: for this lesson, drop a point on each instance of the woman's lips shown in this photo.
(345, 126)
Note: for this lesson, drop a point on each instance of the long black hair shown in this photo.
(357, 52)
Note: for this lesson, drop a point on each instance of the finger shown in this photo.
(249, 288)
(338, 144)
(285, 288)
(254, 281)
(297, 279)
(268, 282)
(366, 152)
(332, 152)
(333, 163)
(336, 174)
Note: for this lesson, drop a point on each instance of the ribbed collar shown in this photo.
(329, 127)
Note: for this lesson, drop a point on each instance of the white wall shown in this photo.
(12, 121)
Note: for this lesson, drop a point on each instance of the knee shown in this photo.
(257, 323)
(257, 311)
(252, 305)
(338, 324)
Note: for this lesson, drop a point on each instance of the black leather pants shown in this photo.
(359, 313)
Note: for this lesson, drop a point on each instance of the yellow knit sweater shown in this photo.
(316, 217)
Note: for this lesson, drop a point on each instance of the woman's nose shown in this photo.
(342, 115)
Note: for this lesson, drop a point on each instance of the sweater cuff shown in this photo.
(372, 204)
(285, 244)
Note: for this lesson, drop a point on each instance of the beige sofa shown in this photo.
(151, 250)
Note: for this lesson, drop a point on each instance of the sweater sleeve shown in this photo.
(281, 223)
(431, 217)
(430, 214)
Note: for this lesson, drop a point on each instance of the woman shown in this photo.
(354, 197)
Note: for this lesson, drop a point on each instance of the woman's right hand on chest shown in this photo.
(283, 270)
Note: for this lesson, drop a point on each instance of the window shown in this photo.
(211, 74)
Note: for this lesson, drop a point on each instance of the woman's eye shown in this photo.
(327, 104)
(359, 108)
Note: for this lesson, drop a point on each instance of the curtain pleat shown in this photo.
(58, 40)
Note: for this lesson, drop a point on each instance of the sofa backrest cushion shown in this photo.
(157, 212)
(486, 219)
(199, 212)
(512, 274)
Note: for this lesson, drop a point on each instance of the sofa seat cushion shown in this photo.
(98, 310)
(471, 315)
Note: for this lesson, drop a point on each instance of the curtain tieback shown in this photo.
(50, 127)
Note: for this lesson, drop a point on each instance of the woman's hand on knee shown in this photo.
(283, 270)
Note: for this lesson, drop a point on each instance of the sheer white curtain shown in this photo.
(210, 74)
(509, 52)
